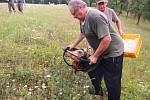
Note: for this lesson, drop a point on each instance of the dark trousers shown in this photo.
(111, 70)
(11, 6)
(20, 7)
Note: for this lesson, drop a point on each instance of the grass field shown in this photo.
(31, 64)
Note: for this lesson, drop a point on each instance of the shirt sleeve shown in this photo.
(101, 27)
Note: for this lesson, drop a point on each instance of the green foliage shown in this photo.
(146, 12)
(137, 8)
(31, 64)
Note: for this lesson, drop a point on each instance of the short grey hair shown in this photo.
(76, 4)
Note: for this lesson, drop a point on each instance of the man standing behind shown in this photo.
(110, 13)
(20, 5)
(107, 45)
(11, 5)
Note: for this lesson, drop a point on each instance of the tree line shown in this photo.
(42, 1)
(136, 8)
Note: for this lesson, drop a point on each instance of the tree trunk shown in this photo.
(139, 17)
(127, 14)
(91, 1)
(116, 3)
(127, 9)
(120, 12)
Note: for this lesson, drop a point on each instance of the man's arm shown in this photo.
(104, 44)
(77, 41)
(118, 24)
(116, 19)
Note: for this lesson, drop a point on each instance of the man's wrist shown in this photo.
(95, 55)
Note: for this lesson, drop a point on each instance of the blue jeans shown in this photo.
(111, 70)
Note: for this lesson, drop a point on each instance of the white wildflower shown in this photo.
(57, 82)
(7, 86)
(87, 86)
(148, 71)
(36, 86)
(30, 89)
(25, 86)
(48, 76)
(33, 30)
(20, 98)
(43, 86)
(141, 82)
(142, 86)
(60, 93)
(29, 93)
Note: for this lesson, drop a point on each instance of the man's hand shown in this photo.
(93, 59)
(71, 46)
(121, 32)
(76, 42)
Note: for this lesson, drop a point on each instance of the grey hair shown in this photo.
(76, 4)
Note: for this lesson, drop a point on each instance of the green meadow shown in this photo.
(31, 64)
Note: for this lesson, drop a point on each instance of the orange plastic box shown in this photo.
(132, 45)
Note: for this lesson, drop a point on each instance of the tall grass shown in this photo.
(31, 65)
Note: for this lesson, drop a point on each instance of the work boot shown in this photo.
(92, 91)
